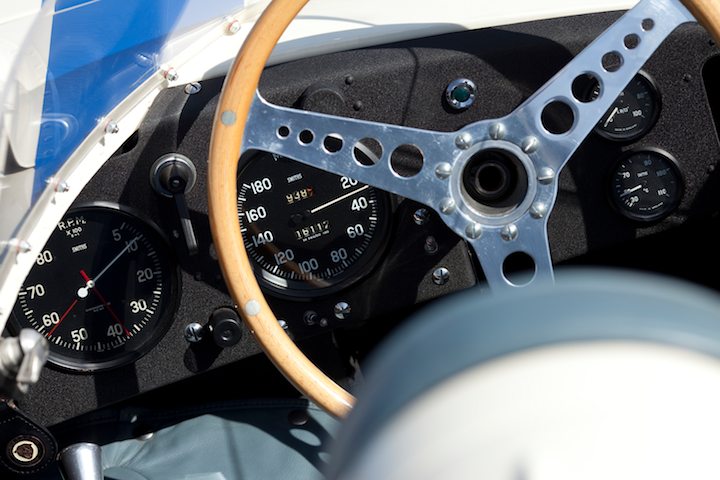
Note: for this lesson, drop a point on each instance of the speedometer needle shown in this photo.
(339, 199)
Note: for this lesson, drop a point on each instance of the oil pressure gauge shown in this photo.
(633, 113)
(646, 185)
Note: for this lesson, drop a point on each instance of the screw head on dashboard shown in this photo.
(194, 332)
(441, 276)
(192, 88)
(421, 216)
(342, 310)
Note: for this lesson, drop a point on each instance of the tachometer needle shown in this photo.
(339, 199)
(104, 302)
(69, 309)
(112, 262)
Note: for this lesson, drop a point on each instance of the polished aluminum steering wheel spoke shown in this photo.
(449, 177)
(612, 60)
(358, 149)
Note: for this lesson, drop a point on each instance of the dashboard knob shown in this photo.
(225, 327)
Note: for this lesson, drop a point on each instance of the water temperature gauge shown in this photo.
(646, 185)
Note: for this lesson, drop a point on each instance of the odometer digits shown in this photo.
(308, 232)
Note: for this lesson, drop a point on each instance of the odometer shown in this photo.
(306, 231)
(102, 291)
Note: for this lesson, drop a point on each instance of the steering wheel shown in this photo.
(493, 182)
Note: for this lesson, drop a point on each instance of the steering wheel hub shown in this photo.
(496, 180)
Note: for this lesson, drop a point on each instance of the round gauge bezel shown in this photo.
(298, 289)
(666, 211)
(61, 362)
(657, 100)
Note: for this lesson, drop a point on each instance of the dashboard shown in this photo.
(128, 289)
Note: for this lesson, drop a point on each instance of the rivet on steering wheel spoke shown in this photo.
(529, 144)
(538, 210)
(497, 131)
(546, 175)
(447, 206)
(473, 231)
(443, 170)
(509, 232)
(464, 141)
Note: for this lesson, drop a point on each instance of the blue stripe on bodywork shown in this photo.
(100, 51)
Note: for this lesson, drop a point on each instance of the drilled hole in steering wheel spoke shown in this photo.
(557, 117)
(367, 152)
(519, 268)
(586, 88)
(612, 61)
(306, 137)
(407, 160)
(333, 143)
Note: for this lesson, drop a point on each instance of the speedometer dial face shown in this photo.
(102, 291)
(308, 232)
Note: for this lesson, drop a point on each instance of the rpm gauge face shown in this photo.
(308, 232)
(102, 291)
(646, 185)
(633, 113)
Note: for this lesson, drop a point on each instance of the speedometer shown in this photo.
(308, 232)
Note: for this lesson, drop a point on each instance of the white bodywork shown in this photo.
(324, 26)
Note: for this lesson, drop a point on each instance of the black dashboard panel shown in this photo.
(402, 83)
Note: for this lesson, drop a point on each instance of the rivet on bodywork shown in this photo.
(232, 25)
(252, 308)
(170, 74)
(228, 118)
(112, 127)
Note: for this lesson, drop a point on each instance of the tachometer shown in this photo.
(102, 291)
(308, 232)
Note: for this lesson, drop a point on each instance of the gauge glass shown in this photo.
(102, 291)
(308, 232)
(633, 113)
(646, 185)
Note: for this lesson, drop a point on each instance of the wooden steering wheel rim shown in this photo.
(228, 129)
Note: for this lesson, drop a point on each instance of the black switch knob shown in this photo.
(225, 327)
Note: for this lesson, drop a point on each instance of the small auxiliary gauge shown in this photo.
(102, 291)
(633, 113)
(646, 185)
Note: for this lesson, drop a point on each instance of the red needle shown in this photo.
(105, 303)
(72, 305)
